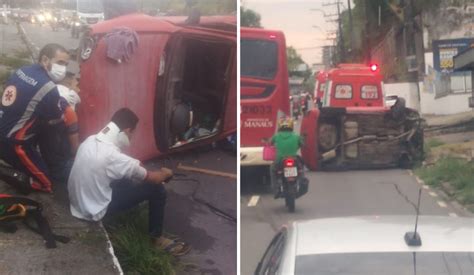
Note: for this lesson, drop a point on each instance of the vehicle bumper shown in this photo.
(252, 156)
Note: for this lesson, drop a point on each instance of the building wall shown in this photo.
(449, 103)
(407, 90)
(428, 105)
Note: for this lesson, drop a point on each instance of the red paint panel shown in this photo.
(107, 86)
(263, 99)
(309, 128)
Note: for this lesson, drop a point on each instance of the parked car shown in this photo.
(371, 245)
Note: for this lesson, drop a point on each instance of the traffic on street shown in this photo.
(343, 169)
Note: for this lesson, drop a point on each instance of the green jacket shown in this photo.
(287, 144)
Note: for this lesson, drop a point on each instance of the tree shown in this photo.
(294, 61)
(365, 23)
(249, 18)
(182, 7)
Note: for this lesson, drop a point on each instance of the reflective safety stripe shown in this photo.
(31, 107)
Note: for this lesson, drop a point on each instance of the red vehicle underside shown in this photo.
(361, 137)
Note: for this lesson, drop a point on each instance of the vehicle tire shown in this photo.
(290, 202)
(290, 198)
(406, 162)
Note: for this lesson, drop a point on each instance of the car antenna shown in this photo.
(413, 238)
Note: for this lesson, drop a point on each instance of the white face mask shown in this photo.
(122, 140)
(112, 134)
(57, 72)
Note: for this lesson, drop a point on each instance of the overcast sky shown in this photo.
(296, 20)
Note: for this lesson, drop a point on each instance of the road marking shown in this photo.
(442, 204)
(433, 194)
(453, 215)
(253, 201)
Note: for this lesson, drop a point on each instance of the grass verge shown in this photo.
(13, 62)
(430, 144)
(4, 75)
(128, 234)
(457, 172)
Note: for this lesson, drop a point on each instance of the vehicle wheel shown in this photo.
(290, 202)
(406, 162)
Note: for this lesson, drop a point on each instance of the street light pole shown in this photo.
(341, 36)
(350, 26)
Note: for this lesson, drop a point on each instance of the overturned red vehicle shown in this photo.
(362, 137)
(180, 81)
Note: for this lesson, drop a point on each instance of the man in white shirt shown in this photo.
(103, 180)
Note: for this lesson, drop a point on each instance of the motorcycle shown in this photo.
(292, 182)
(296, 110)
(77, 27)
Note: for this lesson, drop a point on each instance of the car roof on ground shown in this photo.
(383, 234)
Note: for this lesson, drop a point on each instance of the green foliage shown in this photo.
(13, 62)
(128, 234)
(431, 143)
(181, 7)
(309, 84)
(293, 59)
(365, 23)
(249, 18)
(458, 173)
(4, 75)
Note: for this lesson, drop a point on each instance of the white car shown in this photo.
(372, 245)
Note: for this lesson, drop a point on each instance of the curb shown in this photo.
(32, 48)
(110, 248)
(34, 52)
(455, 204)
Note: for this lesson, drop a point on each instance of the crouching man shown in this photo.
(103, 180)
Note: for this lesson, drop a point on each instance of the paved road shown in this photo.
(331, 194)
(42, 35)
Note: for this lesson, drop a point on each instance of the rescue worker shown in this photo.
(104, 181)
(58, 143)
(69, 87)
(287, 143)
(30, 98)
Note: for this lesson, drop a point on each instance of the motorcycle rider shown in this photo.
(287, 143)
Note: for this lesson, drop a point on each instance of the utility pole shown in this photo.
(350, 27)
(367, 31)
(341, 36)
(416, 44)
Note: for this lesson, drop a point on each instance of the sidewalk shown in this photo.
(24, 252)
(435, 121)
(88, 252)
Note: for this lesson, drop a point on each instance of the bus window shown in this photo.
(258, 58)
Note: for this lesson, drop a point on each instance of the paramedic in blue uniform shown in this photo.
(29, 99)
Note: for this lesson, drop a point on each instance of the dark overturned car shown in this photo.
(362, 137)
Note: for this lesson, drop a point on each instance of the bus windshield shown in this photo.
(258, 58)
